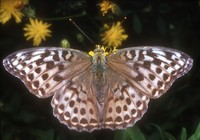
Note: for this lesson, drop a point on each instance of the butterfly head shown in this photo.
(99, 50)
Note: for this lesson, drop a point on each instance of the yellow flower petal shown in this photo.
(37, 30)
(91, 53)
(11, 8)
(113, 35)
(106, 6)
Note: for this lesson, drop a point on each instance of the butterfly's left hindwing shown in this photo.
(76, 105)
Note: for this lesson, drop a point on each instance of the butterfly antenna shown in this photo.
(82, 31)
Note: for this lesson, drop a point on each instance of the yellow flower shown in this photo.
(106, 5)
(9, 8)
(91, 53)
(37, 30)
(113, 35)
(106, 50)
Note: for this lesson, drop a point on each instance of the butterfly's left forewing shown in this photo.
(43, 70)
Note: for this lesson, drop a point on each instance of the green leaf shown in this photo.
(160, 131)
(132, 133)
(196, 135)
(137, 26)
(169, 136)
(183, 134)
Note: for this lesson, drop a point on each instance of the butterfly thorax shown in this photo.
(98, 68)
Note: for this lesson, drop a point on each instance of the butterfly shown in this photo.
(101, 91)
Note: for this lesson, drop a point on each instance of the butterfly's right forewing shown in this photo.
(151, 70)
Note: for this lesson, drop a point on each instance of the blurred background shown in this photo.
(173, 24)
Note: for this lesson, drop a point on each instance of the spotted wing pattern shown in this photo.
(45, 70)
(151, 70)
(133, 76)
(124, 105)
(64, 73)
(76, 105)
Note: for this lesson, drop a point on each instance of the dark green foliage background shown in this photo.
(174, 24)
